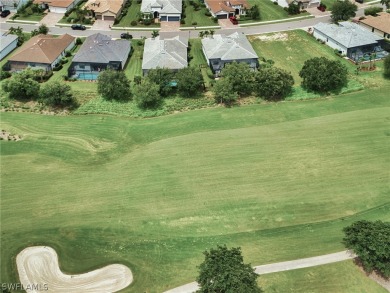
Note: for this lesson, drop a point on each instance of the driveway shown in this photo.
(51, 19)
(226, 23)
(169, 26)
(4, 19)
(102, 25)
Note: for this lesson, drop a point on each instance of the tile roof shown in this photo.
(42, 49)
(217, 5)
(165, 52)
(101, 6)
(99, 48)
(6, 40)
(380, 22)
(55, 3)
(166, 6)
(228, 47)
(348, 34)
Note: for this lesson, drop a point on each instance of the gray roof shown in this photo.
(6, 40)
(99, 48)
(348, 34)
(166, 6)
(165, 52)
(228, 47)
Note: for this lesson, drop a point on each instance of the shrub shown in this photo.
(21, 86)
(147, 21)
(276, 2)
(194, 23)
(114, 85)
(64, 60)
(207, 13)
(4, 74)
(273, 83)
(57, 94)
(215, 19)
(87, 21)
(79, 41)
(133, 23)
(373, 10)
(68, 53)
(57, 67)
(147, 94)
(182, 21)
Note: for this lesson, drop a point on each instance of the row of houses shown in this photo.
(170, 50)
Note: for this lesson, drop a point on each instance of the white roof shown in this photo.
(166, 6)
(6, 40)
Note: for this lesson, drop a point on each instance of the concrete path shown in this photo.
(280, 267)
(51, 18)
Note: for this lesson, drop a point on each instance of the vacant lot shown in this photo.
(280, 180)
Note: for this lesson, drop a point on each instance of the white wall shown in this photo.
(330, 42)
(57, 9)
(8, 49)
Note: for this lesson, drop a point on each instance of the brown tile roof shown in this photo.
(42, 49)
(217, 5)
(380, 22)
(240, 2)
(101, 6)
(55, 3)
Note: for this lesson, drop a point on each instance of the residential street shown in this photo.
(137, 34)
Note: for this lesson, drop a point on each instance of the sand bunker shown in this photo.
(273, 37)
(39, 272)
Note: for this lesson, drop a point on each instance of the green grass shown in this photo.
(280, 180)
(197, 16)
(270, 11)
(199, 60)
(33, 17)
(134, 64)
(341, 277)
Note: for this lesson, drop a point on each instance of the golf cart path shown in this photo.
(286, 266)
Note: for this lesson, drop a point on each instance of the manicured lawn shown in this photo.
(199, 16)
(199, 60)
(133, 14)
(280, 180)
(134, 64)
(342, 277)
(270, 11)
(33, 17)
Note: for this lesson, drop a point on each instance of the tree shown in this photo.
(189, 81)
(273, 83)
(386, 2)
(320, 74)
(42, 29)
(163, 78)
(223, 270)
(114, 85)
(22, 86)
(371, 243)
(155, 34)
(224, 92)
(240, 76)
(19, 32)
(254, 12)
(147, 94)
(343, 10)
(293, 8)
(57, 94)
(386, 64)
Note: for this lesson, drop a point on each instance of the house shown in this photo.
(7, 44)
(303, 4)
(41, 52)
(11, 5)
(164, 10)
(105, 9)
(165, 51)
(57, 6)
(379, 24)
(223, 49)
(97, 53)
(226, 9)
(349, 39)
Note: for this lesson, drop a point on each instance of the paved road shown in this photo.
(280, 267)
(137, 34)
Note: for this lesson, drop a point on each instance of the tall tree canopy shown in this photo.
(189, 81)
(146, 94)
(163, 78)
(240, 77)
(22, 86)
(57, 94)
(371, 242)
(223, 270)
(320, 74)
(273, 83)
(343, 10)
(114, 85)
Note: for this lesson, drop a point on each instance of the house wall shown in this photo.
(330, 42)
(170, 16)
(71, 45)
(8, 49)
(217, 65)
(55, 9)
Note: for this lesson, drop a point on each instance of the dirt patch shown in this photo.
(274, 37)
(5, 135)
(39, 270)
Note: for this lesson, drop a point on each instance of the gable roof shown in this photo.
(380, 22)
(42, 49)
(217, 5)
(166, 6)
(6, 40)
(228, 47)
(165, 52)
(101, 6)
(99, 48)
(348, 34)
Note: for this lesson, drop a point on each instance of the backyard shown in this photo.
(197, 17)
(133, 14)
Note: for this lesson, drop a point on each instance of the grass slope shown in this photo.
(341, 277)
(280, 180)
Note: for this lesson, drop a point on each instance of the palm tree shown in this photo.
(201, 34)
(212, 33)
(155, 34)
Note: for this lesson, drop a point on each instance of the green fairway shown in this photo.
(341, 277)
(280, 180)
